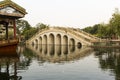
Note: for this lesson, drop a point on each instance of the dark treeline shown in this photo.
(110, 30)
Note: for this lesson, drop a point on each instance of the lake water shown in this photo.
(48, 62)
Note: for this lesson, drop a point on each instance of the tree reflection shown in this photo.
(109, 59)
(26, 56)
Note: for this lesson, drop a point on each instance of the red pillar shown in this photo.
(14, 25)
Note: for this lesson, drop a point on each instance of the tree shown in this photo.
(25, 29)
(88, 29)
(103, 31)
(22, 26)
(42, 26)
(115, 23)
(29, 33)
(110, 30)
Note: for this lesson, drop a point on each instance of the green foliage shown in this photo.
(115, 23)
(110, 30)
(93, 30)
(22, 26)
(103, 31)
(88, 29)
(29, 33)
(42, 26)
(25, 29)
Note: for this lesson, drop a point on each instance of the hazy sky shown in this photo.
(69, 13)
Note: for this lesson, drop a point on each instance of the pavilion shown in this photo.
(9, 13)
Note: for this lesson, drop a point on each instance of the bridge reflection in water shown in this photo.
(58, 53)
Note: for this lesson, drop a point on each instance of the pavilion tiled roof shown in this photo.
(10, 3)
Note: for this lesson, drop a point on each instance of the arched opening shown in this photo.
(65, 45)
(51, 50)
(65, 49)
(52, 46)
(40, 40)
(36, 47)
(45, 39)
(58, 50)
(72, 42)
(65, 40)
(51, 39)
(40, 44)
(44, 46)
(33, 44)
(72, 45)
(36, 41)
(79, 45)
(58, 39)
(40, 49)
(44, 49)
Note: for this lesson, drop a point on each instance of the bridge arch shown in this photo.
(65, 43)
(40, 40)
(79, 45)
(72, 42)
(65, 40)
(45, 39)
(58, 39)
(36, 41)
(51, 39)
(40, 44)
(72, 45)
(33, 43)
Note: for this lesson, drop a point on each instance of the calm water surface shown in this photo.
(48, 62)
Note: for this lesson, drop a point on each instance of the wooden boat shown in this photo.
(4, 43)
(8, 46)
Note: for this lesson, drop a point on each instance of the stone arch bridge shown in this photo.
(62, 36)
